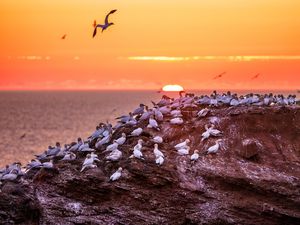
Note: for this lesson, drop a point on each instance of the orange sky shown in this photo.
(199, 39)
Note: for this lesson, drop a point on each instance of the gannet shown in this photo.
(213, 131)
(12, 175)
(121, 140)
(183, 144)
(88, 163)
(54, 151)
(139, 110)
(203, 112)
(136, 132)
(176, 113)
(165, 109)
(158, 139)
(116, 175)
(195, 156)
(48, 165)
(35, 163)
(157, 152)
(158, 115)
(76, 146)
(112, 146)
(219, 76)
(137, 150)
(206, 133)
(176, 121)
(183, 151)
(214, 148)
(234, 102)
(106, 25)
(146, 115)
(115, 155)
(153, 123)
(159, 160)
(69, 156)
(103, 141)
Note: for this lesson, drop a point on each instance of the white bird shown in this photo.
(106, 25)
(12, 175)
(121, 140)
(176, 120)
(116, 175)
(195, 156)
(136, 132)
(112, 146)
(103, 141)
(88, 163)
(158, 139)
(183, 151)
(214, 148)
(159, 160)
(48, 165)
(153, 123)
(203, 112)
(176, 113)
(94, 156)
(157, 152)
(115, 155)
(183, 144)
(137, 150)
(69, 156)
(158, 114)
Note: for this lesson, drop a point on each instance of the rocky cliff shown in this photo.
(253, 179)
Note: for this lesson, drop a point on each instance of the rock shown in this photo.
(225, 188)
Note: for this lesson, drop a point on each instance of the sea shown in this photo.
(30, 121)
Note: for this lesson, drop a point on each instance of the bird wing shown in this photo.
(111, 12)
(95, 31)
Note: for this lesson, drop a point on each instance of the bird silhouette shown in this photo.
(104, 26)
(64, 37)
(94, 24)
(255, 76)
(219, 76)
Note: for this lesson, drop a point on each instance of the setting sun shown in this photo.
(172, 87)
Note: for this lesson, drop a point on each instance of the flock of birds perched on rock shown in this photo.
(167, 110)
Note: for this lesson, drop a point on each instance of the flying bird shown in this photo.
(256, 76)
(219, 76)
(106, 25)
(64, 37)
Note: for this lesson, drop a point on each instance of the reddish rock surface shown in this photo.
(253, 179)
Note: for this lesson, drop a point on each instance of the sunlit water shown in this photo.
(47, 117)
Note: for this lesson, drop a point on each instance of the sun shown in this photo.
(172, 87)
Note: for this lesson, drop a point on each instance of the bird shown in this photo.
(88, 163)
(103, 141)
(255, 76)
(158, 139)
(64, 37)
(183, 151)
(69, 156)
(12, 175)
(153, 123)
(203, 112)
(22, 136)
(48, 165)
(157, 152)
(115, 155)
(94, 24)
(214, 148)
(219, 76)
(176, 121)
(106, 25)
(183, 144)
(137, 150)
(121, 140)
(112, 146)
(136, 132)
(116, 175)
(159, 160)
(195, 156)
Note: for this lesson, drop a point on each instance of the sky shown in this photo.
(153, 43)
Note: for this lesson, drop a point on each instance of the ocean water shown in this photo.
(45, 117)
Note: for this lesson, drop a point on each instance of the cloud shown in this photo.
(235, 58)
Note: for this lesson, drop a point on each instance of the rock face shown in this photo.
(253, 179)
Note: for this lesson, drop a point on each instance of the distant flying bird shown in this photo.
(23, 135)
(219, 76)
(64, 37)
(256, 76)
(106, 25)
